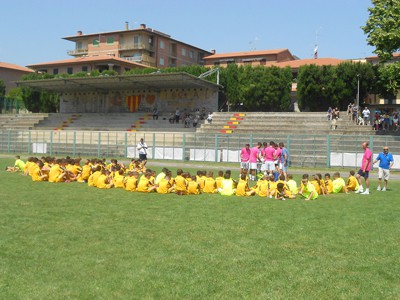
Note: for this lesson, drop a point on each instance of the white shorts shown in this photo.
(269, 166)
(244, 165)
(383, 173)
(253, 166)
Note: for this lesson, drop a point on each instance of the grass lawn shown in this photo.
(67, 240)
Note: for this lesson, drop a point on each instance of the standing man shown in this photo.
(366, 164)
(283, 164)
(366, 113)
(244, 158)
(269, 157)
(142, 148)
(253, 160)
(386, 162)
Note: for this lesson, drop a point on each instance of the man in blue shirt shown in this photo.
(386, 162)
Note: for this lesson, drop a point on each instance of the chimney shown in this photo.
(79, 32)
(126, 25)
(142, 26)
(213, 51)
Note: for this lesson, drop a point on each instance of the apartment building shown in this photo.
(123, 50)
(10, 73)
(252, 58)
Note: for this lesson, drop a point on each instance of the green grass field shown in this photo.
(67, 240)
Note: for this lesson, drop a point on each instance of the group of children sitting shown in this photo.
(137, 178)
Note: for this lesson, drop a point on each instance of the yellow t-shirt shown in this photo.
(352, 184)
(36, 174)
(55, 173)
(292, 185)
(92, 181)
(242, 188)
(227, 187)
(209, 186)
(329, 186)
(131, 183)
(263, 188)
(118, 181)
(218, 181)
(180, 184)
(102, 182)
(193, 188)
(338, 185)
(164, 186)
(144, 185)
(86, 171)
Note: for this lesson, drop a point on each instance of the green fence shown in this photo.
(11, 106)
(305, 150)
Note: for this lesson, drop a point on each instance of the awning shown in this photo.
(155, 82)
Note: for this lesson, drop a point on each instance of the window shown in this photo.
(161, 61)
(55, 71)
(136, 40)
(110, 41)
(95, 42)
(183, 52)
(191, 54)
(78, 45)
(162, 46)
(69, 70)
(84, 68)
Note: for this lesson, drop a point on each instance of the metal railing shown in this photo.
(305, 150)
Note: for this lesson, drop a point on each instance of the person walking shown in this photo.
(366, 164)
(386, 162)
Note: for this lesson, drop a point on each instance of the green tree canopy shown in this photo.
(382, 27)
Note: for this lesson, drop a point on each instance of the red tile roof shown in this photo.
(14, 67)
(295, 64)
(246, 54)
(89, 59)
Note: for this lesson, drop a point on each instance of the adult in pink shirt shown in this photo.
(366, 164)
(268, 154)
(254, 153)
(244, 158)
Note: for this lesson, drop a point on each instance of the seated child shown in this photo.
(352, 182)
(243, 187)
(263, 186)
(218, 180)
(193, 187)
(180, 185)
(339, 186)
(227, 186)
(19, 165)
(328, 183)
(165, 186)
(119, 179)
(307, 189)
(131, 181)
(145, 185)
(292, 185)
(210, 186)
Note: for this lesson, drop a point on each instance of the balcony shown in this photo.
(143, 59)
(127, 47)
(77, 52)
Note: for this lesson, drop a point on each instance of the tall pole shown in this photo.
(358, 96)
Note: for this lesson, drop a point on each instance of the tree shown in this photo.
(382, 27)
(2, 88)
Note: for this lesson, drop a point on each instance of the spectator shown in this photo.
(365, 114)
(209, 117)
(177, 116)
(155, 113)
(386, 162)
(329, 113)
(171, 118)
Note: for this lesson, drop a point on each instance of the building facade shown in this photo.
(11, 73)
(252, 58)
(124, 50)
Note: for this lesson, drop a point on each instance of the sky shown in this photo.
(32, 30)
